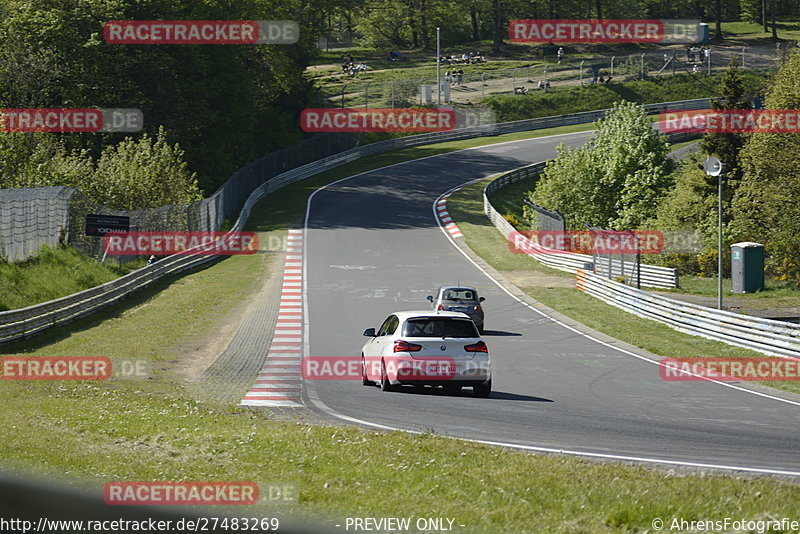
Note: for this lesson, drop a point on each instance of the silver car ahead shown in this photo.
(460, 299)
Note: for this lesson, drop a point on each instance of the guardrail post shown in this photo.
(545, 78)
(483, 85)
(612, 65)
(580, 71)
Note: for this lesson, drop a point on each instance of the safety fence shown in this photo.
(463, 83)
(648, 275)
(764, 335)
(33, 217)
(15, 324)
(632, 272)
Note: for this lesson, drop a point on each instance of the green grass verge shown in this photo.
(564, 100)
(466, 208)
(88, 434)
(753, 33)
(776, 294)
(55, 273)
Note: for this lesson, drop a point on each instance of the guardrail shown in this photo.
(24, 322)
(649, 275)
(764, 335)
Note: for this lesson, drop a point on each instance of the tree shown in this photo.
(147, 173)
(765, 207)
(727, 146)
(213, 100)
(689, 208)
(615, 180)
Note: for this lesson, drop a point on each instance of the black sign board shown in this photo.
(100, 225)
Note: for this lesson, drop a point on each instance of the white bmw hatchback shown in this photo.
(422, 348)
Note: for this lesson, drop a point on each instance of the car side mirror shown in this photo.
(369, 332)
(430, 298)
(481, 299)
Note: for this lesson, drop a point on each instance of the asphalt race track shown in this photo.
(373, 247)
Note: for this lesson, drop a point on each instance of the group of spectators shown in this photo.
(522, 90)
(454, 78)
(698, 54)
(466, 57)
(349, 66)
(599, 80)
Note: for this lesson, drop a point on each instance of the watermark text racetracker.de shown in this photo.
(418, 120)
(603, 31)
(604, 241)
(197, 492)
(73, 368)
(730, 121)
(434, 369)
(63, 120)
(201, 32)
(184, 524)
(186, 243)
(730, 369)
(725, 524)
(586, 242)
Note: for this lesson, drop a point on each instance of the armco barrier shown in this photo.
(24, 322)
(764, 335)
(650, 275)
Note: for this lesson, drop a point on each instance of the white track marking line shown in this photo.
(314, 398)
(588, 336)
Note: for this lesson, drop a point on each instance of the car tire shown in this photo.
(385, 384)
(364, 380)
(482, 390)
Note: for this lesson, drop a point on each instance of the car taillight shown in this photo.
(480, 346)
(477, 308)
(440, 308)
(405, 346)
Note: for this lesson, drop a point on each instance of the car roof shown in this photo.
(428, 313)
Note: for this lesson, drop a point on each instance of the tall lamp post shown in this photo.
(438, 71)
(713, 167)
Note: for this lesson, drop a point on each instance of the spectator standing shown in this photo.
(459, 76)
(560, 53)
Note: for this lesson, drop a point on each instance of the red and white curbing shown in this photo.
(279, 382)
(444, 216)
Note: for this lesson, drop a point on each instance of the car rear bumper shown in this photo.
(420, 371)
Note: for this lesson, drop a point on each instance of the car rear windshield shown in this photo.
(459, 294)
(439, 327)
